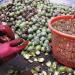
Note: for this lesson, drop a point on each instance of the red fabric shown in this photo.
(7, 31)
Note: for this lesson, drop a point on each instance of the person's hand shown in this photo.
(9, 49)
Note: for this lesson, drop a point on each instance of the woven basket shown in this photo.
(63, 45)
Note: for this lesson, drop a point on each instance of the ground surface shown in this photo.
(69, 2)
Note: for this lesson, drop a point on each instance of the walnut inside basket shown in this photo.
(65, 26)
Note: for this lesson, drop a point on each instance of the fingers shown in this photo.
(7, 31)
(4, 39)
(16, 42)
(9, 49)
(25, 42)
(20, 47)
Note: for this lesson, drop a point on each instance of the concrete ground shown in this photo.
(67, 2)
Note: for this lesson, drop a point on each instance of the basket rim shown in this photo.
(54, 19)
